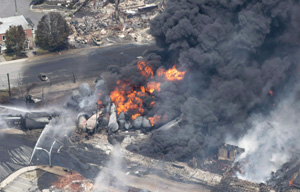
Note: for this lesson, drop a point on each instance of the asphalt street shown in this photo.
(89, 62)
(8, 9)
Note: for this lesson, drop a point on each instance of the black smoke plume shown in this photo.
(241, 58)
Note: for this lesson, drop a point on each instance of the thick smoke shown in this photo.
(272, 141)
(240, 58)
(84, 99)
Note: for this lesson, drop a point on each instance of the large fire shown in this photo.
(145, 69)
(129, 98)
(172, 74)
(125, 98)
(155, 119)
(153, 86)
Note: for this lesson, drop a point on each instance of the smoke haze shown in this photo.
(272, 141)
(113, 175)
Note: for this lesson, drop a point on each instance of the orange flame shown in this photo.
(291, 182)
(160, 72)
(152, 104)
(126, 99)
(172, 74)
(271, 92)
(133, 117)
(145, 69)
(99, 102)
(154, 120)
(153, 86)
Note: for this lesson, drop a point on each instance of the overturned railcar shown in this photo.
(32, 120)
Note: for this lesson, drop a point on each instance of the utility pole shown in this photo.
(117, 11)
(8, 85)
(74, 78)
(16, 8)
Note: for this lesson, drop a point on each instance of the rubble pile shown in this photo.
(286, 178)
(237, 185)
(73, 182)
(215, 166)
(100, 26)
(66, 7)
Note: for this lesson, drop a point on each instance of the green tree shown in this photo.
(15, 39)
(52, 32)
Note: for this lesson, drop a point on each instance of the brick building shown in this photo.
(7, 22)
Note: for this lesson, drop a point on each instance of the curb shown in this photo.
(13, 61)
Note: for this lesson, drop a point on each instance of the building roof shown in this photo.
(45, 178)
(232, 147)
(6, 22)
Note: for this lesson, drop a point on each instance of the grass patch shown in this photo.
(40, 51)
(13, 56)
(7, 57)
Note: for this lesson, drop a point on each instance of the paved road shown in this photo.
(7, 9)
(84, 63)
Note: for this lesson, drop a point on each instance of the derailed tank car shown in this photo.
(37, 120)
(12, 121)
(31, 120)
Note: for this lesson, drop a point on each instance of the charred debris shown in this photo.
(100, 23)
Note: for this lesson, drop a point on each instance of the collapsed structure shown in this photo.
(100, 25)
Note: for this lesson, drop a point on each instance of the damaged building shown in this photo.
(100, 25)
(229, 152)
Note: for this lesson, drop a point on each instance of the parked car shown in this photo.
(43, 77)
